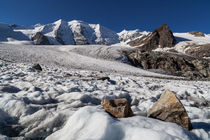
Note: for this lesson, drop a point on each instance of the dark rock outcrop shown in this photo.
(172, 63)
(199, 50)
(37, 67)
(58, 37)
(161, 37)
(119, 108)
(40, 39)
(197, 34)
(168, 108)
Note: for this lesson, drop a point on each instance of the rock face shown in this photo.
(168, 108)
(118, 108)
(172, 63)
(37, 67)
(63, 33)
(40, 39)
(197, 33)
(161, 37)
(199, 50)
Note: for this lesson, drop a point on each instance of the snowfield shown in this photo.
(63, 101)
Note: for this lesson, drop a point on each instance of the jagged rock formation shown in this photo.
(119, 108)
(168, 108)
(161, 37)
(197, 34)
(171, 63)
(40, 39)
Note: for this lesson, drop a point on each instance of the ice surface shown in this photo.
(37, 104)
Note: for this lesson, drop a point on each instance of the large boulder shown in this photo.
(171, 63)
(168, 108)
(161, 37)
(197, 34)
(119, 108)
(40, 39)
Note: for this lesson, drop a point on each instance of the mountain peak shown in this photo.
(60, 21)
(77, 21)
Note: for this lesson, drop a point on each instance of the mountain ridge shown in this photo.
(77, 32)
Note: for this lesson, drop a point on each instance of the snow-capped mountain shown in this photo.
(7, 33)
(127, 36)
(62, 33)
(77, 32)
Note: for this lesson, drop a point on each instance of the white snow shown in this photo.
(39, 104)
(95, 124)
(187, 37)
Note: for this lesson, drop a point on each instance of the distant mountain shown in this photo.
(132, 35)
(62, 33)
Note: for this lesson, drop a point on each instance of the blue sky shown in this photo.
(180, 15)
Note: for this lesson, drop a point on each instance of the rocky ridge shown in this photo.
(171, 63)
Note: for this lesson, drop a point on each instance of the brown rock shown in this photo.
(40, 39)
(197, 33)
(161, 37)
(118, 108)
(168, 108)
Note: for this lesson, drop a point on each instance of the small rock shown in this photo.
(102, 78)
(168, 108)
(37, 67)
(118, 108)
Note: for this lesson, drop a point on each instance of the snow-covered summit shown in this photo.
(61, 32)
(131, 35)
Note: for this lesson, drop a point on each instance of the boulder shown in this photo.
(161, 37)
(171, 63)
(168, 108)
(40, 39)
(197, 34)
(118, 108)
(37, 67)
